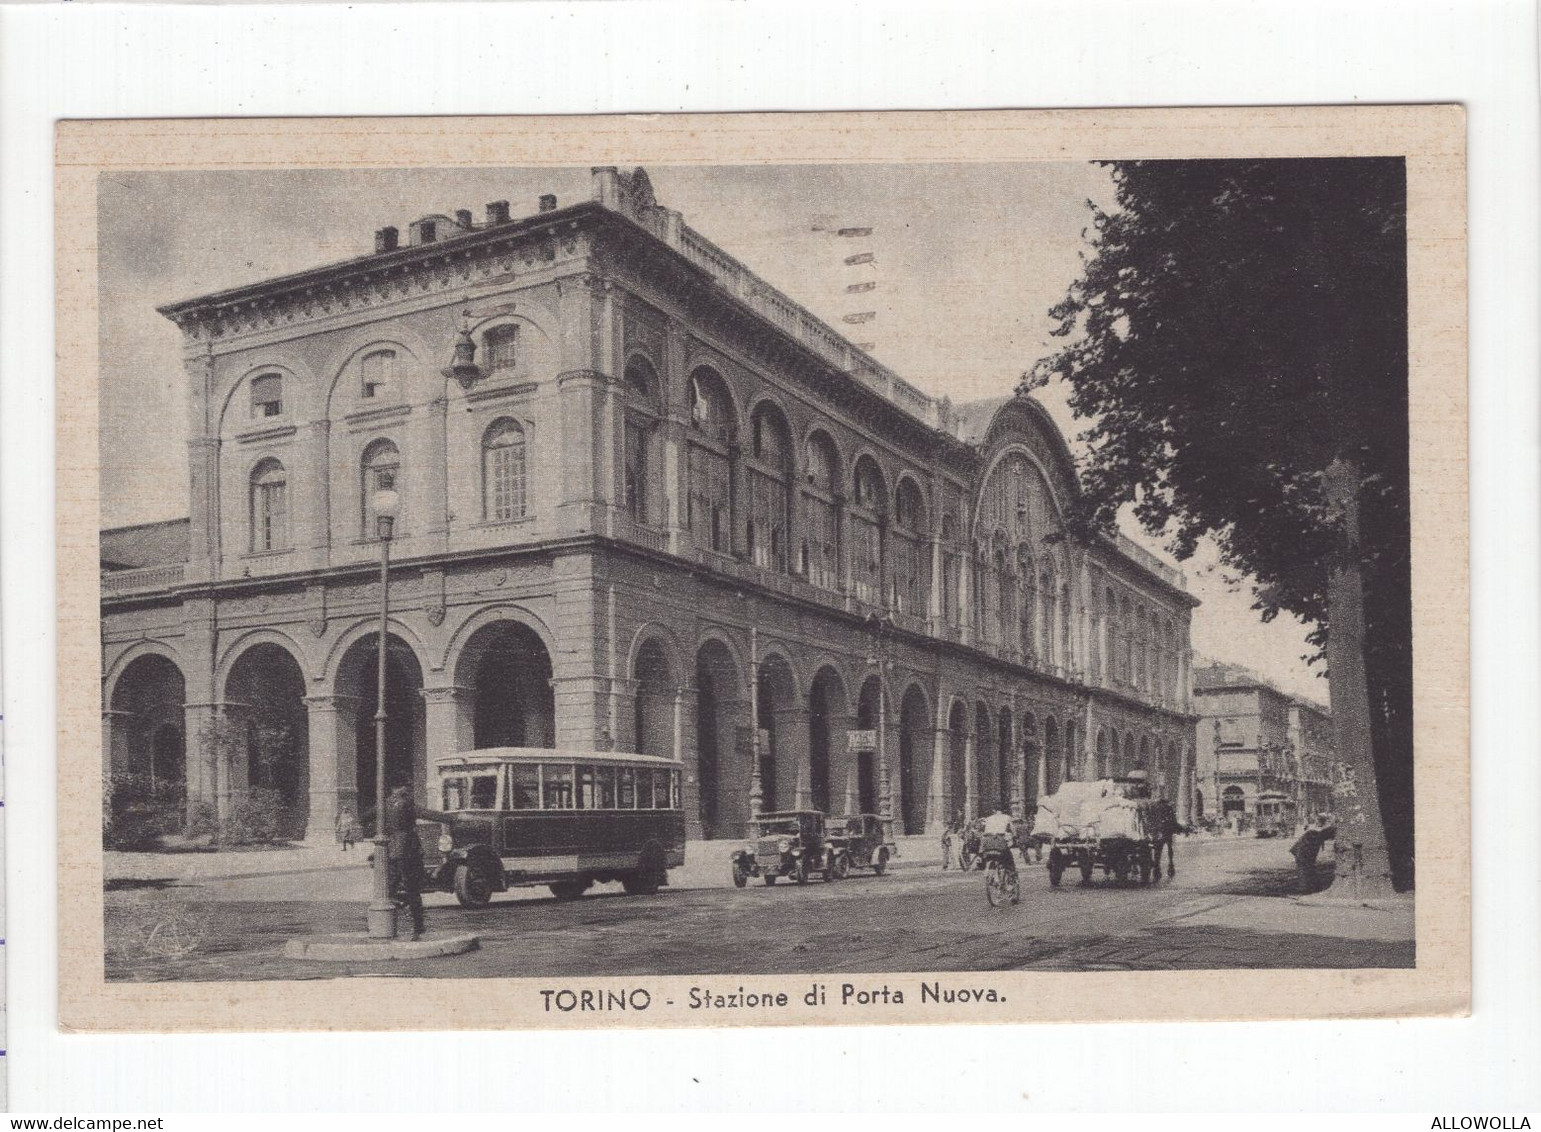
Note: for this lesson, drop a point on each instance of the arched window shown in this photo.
(708, 507)
(381, 468)
(502, 346)
(269, 507)
(377, 373)
(1111, 628)
(869, 504)
(821, 542)
(1126, 642)
(1027, 576)
(267, 395)
(952, 563)
(1048, 596)
(641, 417)
(1066, 622)
(769, 483)
(505, 492)
(1141, 636)
(912, 559)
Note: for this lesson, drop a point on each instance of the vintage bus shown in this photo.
(525, 816)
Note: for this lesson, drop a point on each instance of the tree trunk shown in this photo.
(1364, 863)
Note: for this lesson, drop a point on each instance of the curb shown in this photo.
(356, 948)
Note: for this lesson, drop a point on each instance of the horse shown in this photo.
(1163, 823)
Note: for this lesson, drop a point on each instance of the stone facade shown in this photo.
(650, 503)
(1254, 739)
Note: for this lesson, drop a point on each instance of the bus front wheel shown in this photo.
(472, 888)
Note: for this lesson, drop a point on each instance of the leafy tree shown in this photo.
(1239, 328)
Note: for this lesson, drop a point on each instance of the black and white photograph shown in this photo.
(726, 572)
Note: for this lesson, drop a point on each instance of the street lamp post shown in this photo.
(382, 909)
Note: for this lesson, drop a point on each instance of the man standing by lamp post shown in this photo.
(382, 909)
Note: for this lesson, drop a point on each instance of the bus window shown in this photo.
(627, 795)
(674, 790)
(556, 786)
(604, 787)
(524, 786)
(453, 791)
(484, 792)
(587, 796)
(661, 789)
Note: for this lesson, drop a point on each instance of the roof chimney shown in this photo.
(385, 239)
(424, 232)
(548, 202)
(463, 218)
(497, 212)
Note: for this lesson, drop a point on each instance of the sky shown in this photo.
(966, 260)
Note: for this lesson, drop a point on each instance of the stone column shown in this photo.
(435, 474)
(579, 394)
(970, 791)
(313, 534)
(940, 807)
(449, 725)
(333, 764)
(116, 756)
(794, 778)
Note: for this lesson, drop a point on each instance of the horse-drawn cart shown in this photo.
(1105, 824)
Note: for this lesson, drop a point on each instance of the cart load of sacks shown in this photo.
(1087, 810)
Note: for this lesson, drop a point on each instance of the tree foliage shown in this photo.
(1237, 326)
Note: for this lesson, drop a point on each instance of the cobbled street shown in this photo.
(1232, 905)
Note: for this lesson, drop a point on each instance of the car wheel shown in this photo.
(770, 879)
(472, 887)
(640, 883)
(842, 866)
(881, 864)
(740, 877)
(568, 889)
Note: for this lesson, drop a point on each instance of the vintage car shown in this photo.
(790, 843)
(861, 841)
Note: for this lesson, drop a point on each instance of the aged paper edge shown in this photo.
(1432, 138)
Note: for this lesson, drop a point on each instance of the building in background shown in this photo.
(1255, 741)
(663, 508)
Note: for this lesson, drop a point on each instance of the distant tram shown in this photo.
(528, 816)
(1275, 814)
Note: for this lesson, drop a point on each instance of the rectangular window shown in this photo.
(506, 496)
(452, 793)
(379, 370)
(604, 788)
(644, 789)
(556, 786)
(524, 786)
(909, 587)
(626, 798)
(707, 502)
(588, 794)
(823, 544)
(674, 791)
(484, 792)
(502, 347)
(267, 395)
(636, 472)
(767, 521)
(272, 516)
(661, 800)
(866, 561)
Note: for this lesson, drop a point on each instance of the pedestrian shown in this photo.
(404, 850)
(347, 828)
(1306, 849)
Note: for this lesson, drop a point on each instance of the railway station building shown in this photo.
(648, 502)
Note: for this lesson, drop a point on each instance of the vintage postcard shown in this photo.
(762, 569)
